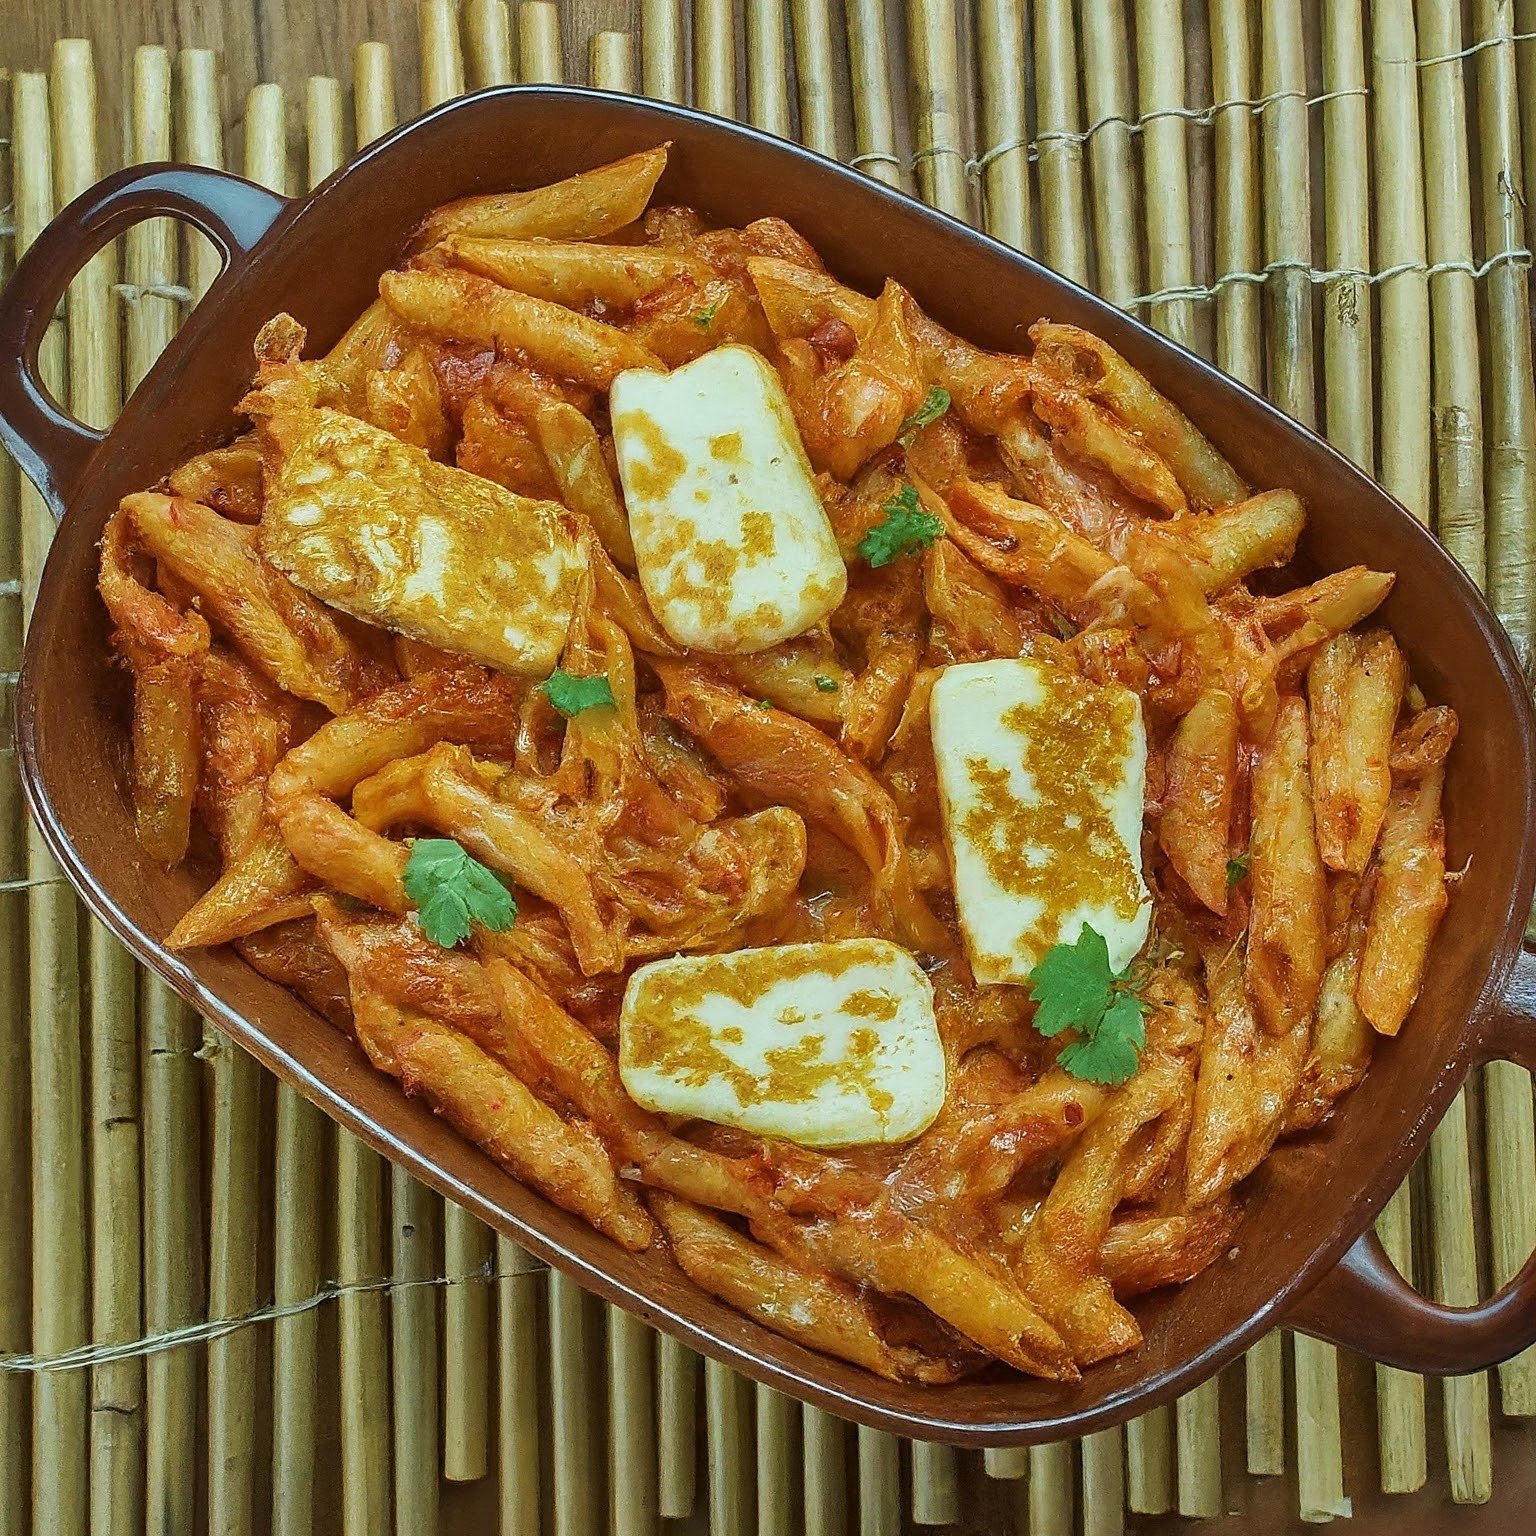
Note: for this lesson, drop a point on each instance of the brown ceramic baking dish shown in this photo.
(1304, 1254)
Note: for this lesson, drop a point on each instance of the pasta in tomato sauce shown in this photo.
(627, 627)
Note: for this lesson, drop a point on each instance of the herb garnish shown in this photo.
(934, 405)
(571, 694)
(825, 684)
(905, 529)
(706, 316)
(1077, 991)
(452, 890)
(1237, 869)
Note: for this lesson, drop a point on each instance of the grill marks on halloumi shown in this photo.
(733, 547)
(824, 1044)
(382, 531)
(1041, 782)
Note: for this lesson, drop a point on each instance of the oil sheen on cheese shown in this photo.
(822, 1044)
(1041, 781)
(382, 531)
(732, 545)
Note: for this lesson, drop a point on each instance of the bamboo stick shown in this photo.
(714, 56)
(728, 1420)
(1165, 162)
(442, 63)
(1400, 1436)
(776, 1462)
(1287, 212)
(1006, 1462)
(815, 75)
(1457, 398)
(1406, 470)
(466, 1352)
(1050, 1489)
(826, 1474)
(298, 1265)
(1512, 1208)
(1511, 416)
(152, 318)
(1319, 1435)
(95, 395)
(488, 43)
(1238, 335)
(879, 1483)
(1002, 51)
(1107, 92)
(874, 119)
(1059, 122)
(767, 67)
(325, 129)
(1197, 1437)
(233, 1286)
(661, 44)
(612, 61)
(1149, 1463)
(1468, 1435)
(1403, 297)
(937, 130)
(1264, 1406)
(1348, 403)
(59, 1400)
(373, 91)
(519, 1408)
(1525, 70)
(58, 1300)
(413, 1343)
(363, 1329)
(1103, 1484)
(201, 125)
(576, 1507)
(631, 1427)
(677, 1389)
(540, 56)
(935, 1483)
(15, 1215)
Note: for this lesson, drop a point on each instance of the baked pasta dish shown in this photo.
(874, 818)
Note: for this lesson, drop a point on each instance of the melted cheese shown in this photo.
(375, 527)
(823, 1044)
(1041, 782)
(732, 544)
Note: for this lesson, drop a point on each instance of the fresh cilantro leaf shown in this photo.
(1237, 869)
(706, 316)
(571, 694)
(1111, 1055)
(765, 703)
(906, 527)
(935, 403)
(1072, 984)
(1076, 991)
(452, 890)
(825, 684)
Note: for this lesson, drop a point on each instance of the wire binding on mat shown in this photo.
(1476, 47)
(133, 293)
(1518, 256)
(29, 885)
(875, 157)
(85, 1355)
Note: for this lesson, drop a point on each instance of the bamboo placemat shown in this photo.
(219, 1313)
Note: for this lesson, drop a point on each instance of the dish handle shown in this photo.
(51, 446)
(1364, 1304)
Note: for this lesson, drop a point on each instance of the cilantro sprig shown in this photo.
(934, 405)
(452, 890)
(825, 684)
(1237, 869)
(1078, 992)
(571, 694)
(905, 529)
(704, 318)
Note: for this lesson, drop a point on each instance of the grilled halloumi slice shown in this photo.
(823, 1044)
(732, 544)
(375, 527)
(1041, 782)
